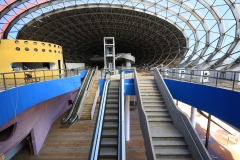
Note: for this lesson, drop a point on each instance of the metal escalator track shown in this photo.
(109, 138)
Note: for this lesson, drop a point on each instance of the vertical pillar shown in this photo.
(128, 63)
(193, 116)
(127, 118)
(208, 131)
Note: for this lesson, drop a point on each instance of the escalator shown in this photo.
(76, 106)
(167, 132)
(108, 140)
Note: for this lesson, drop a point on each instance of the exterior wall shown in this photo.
(219, 102)
(34, 107)
(10, 54)
(36, 121)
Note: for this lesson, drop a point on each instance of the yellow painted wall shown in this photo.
(37, 52)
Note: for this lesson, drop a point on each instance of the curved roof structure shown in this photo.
(184, 33)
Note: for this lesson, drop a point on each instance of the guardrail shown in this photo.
(14, 79)
(118, 71)
(144, 122)
(181, 122)
(121, 121)
(222, 79)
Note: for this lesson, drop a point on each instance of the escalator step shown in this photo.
(108, 133)
(109, 142)
(111, 111)
(110, 125)
(111, 118)
(112, 101)
(108, 152)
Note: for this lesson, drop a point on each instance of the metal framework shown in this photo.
(184, 33)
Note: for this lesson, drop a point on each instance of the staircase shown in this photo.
(109, 138)
(167, 141)
(86, 113)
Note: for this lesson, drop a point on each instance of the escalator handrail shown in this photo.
(75, 115)
(93, 154)
(66, 118)
(121, 121)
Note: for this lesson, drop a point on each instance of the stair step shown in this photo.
(150, 94)
(159, 119)
(109, 142)
(155, 109)
(157, 114)
(173, 157)
(154, 84)
(163, 129)
(108, 152)
(167, 141)
(159, 102)
(152, 98)
(144, 92)
(172, 152)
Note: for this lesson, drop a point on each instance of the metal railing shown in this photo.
(14, 79)
(221, 79)
(181, 121)
(93, 154)
(118, 71)
(121, 121)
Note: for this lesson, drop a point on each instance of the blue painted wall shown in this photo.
(222, 103)
(16, 100)
(129, 88)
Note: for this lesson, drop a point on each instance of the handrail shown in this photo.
(17, 78)
(66, 118)
(82, 101)
(181, 122)
(144, 122)
(93, 154)
(121, 121)
(94, 103)
(217, 78)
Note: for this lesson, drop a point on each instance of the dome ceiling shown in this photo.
(183, 33)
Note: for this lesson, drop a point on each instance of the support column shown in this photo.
(193, 116)
(127, 118)
(208, 131)
(128, 63)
